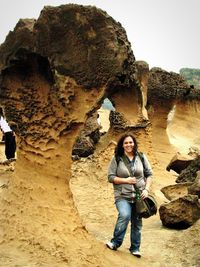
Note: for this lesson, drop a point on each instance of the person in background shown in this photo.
(9, 137)
(98, 119)
(3, 137)
(124, 191)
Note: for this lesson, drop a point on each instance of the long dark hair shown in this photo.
(1, 112)
(119, 150)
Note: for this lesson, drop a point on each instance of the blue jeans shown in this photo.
(126, 213)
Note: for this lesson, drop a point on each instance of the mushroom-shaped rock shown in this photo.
(54, 72)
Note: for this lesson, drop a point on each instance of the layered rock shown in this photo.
(183, 129)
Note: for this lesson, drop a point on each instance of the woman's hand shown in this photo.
(128, 180)
(131, 180)
(144, 193)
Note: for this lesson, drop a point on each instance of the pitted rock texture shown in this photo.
(56, 69)
(166, 85)
(170, 112)
(55, 73)
(81, 42)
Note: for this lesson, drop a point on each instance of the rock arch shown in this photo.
(55, 71)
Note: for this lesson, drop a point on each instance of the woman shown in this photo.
(124, 185)
(9, 137)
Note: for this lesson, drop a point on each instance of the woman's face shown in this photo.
(128, 144)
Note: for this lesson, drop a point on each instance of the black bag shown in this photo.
(147, 207)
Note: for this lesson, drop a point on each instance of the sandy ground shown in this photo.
(93, 198)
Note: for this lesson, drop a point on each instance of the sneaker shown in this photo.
(136, 254)
(110, 245)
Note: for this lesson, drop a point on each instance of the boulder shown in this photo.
(83, 147)
(180, 213)
(179, 162)
(89, 136)
(194, 189)
(189, 174)
(175, 191)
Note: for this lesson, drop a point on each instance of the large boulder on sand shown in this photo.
(180, 213)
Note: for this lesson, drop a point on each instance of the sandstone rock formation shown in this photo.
(165, 89)
(55, 72)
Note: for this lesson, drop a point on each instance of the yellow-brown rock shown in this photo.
(55, 72)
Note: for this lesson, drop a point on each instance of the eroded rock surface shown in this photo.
(55, 72)
(180, 213)
(165, 89)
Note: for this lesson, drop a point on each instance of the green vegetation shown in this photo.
(192, 76)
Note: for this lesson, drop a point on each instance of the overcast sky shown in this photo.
(164, 33)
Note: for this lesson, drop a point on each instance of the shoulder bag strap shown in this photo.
(126, 162)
